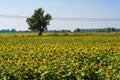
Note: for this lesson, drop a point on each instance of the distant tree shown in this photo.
(13, 30)
(108, 29)
(39, 21)
(77, 30)
(113, 29)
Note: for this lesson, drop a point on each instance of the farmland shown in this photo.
(60, 56)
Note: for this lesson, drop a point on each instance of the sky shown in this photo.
(105, 9)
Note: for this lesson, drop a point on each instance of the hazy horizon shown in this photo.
(105, 9)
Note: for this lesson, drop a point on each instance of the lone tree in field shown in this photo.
(39, 21)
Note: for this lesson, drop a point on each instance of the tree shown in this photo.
(113, 29)
(108, 29)
(77, 30)
(39, 21)
(13, 30)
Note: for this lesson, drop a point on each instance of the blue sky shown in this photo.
(61, 8)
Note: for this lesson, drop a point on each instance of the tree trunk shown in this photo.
(40, 32)
(41, 29)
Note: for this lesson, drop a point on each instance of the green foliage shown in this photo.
(109, 30)
(85, 57)
(39, 21)
(77, 30)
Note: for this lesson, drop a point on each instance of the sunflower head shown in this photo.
(109, 71)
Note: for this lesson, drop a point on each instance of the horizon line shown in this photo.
(67, 18)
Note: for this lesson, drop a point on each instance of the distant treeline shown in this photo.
(76, 30)
(97, 30)
(88, 30)
(57, 31)
(8, 30)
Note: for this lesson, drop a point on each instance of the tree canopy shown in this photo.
(39, 20)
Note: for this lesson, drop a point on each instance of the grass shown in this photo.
(34, 34)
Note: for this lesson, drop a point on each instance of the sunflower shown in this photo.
(24, 64)
(1, 66)
(62, 68)
(94, 65)
(101, 65)
(10, 61)
(72, 65)
(109, 71)
(74, 60)
(110, 62)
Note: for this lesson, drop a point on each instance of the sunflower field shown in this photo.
(94, 56)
